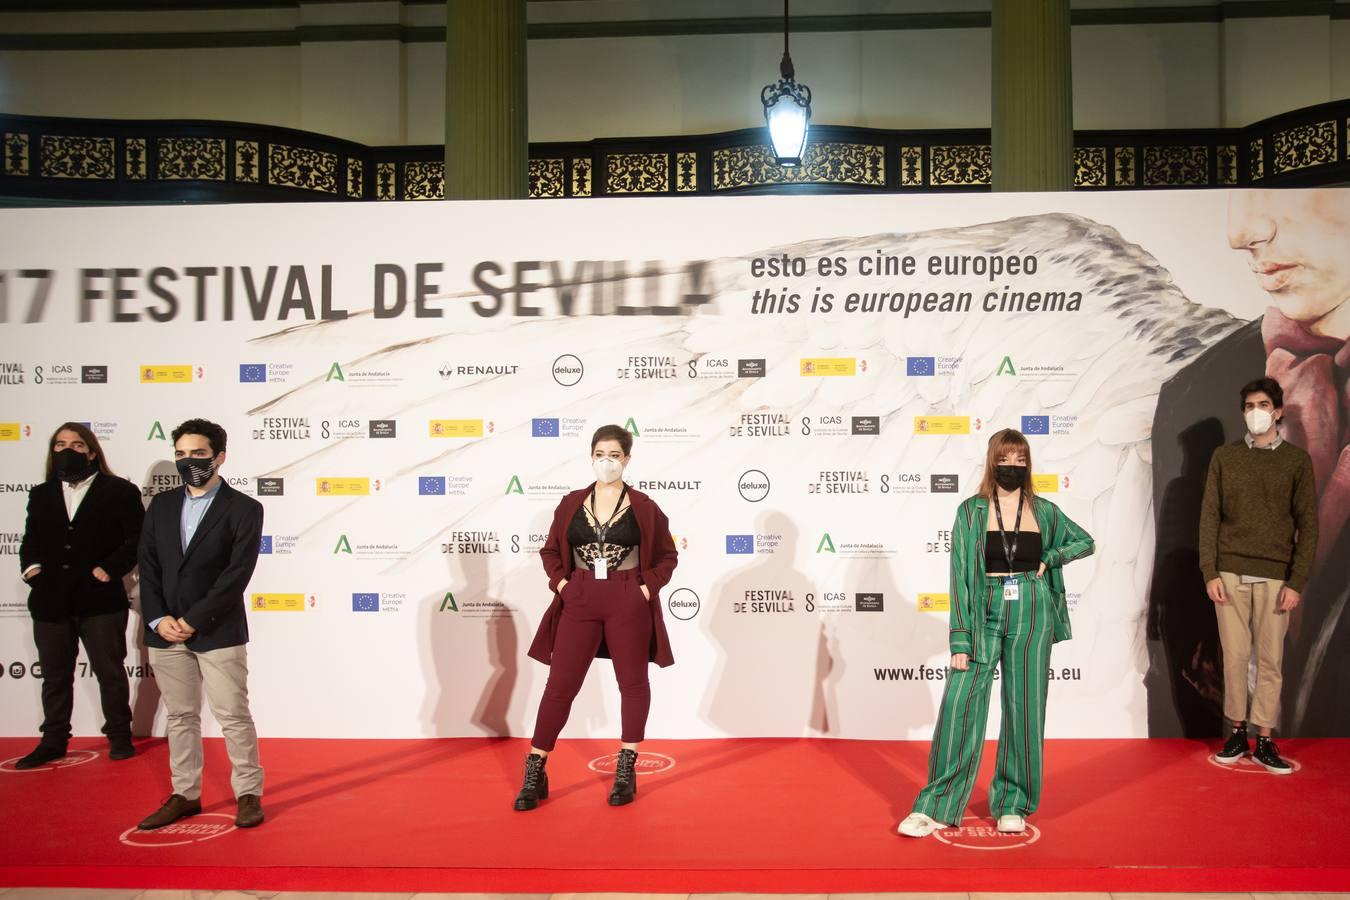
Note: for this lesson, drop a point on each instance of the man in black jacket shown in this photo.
(197, 553)
(79, 540)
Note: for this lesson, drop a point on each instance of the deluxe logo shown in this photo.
(920, 366)
(647, 368)
(753, 486)
(984, 836)
(383, 428)
(167, 374)
(201, 827)
(1046, 483)
(683, 604)
(869, 602)
(72, 758)
(825, 367)
(647, 764)
(278, 602)
(342, 487)
(455, 428)
(365, 602)
(866, 425)
(751, 368)
(252, 373)
(544, 427)
(765, 601)
(271, 487)
(762, 425)
(431, 485)
(14, 431)
(568, 370)
(11, 374)
(935, 603)
(1035, 425)
(944, 484)
(93, 374)
(942, 424)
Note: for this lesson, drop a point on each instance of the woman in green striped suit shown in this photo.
(1007, 608)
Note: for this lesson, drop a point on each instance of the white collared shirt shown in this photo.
(74, 494)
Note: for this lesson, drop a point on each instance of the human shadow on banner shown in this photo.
(160, 477)
(1185, 678)
(474, 647)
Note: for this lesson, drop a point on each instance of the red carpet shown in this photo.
(743, 815)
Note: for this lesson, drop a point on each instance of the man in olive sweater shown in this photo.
(1258, 538)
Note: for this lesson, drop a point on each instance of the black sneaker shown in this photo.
(1236, 748)
(1268, 755)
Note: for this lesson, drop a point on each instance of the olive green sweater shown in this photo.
(1260, 514)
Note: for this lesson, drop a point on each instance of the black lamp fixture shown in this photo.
(787, 109)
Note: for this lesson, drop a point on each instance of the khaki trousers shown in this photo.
(181, 673)
(1251, 619)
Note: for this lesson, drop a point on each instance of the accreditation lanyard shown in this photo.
(601, 565)
(1011, 589)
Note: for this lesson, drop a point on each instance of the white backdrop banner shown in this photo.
(810, 382)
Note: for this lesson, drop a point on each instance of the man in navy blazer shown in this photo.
(198, 548)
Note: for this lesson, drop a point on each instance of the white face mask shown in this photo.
(607, 471)
(1258, 421)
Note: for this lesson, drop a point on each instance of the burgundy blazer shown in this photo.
(656, 556)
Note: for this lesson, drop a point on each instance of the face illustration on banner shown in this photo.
(1298, 246)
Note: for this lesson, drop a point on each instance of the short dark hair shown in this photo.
(214, 434)
(1268, 386)
(613, 433)
(90, 441)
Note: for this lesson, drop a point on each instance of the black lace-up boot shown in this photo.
(1268, 755)
(535, 787)
(625, 779)
(1236, 747)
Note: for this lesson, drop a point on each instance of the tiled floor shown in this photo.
(71, 894)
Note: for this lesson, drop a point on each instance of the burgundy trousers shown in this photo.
(613, 610)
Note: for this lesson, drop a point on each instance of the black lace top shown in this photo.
(1026, 559)
(621, 540)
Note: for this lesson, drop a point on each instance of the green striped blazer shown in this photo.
(1062, 541)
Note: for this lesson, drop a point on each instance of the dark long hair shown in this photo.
(90, 441)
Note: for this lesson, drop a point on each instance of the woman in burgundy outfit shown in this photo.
(609, 553)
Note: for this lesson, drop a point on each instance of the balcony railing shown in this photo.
(114, 160)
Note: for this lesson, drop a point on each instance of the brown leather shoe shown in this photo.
(175, 808)
(250, 811)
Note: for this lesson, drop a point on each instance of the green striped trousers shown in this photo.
(1022, 630)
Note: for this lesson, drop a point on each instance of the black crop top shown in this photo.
(1027, 558)
(619, 548)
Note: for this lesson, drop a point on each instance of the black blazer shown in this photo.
(1197, 413)
(103, 534)
(204, 585)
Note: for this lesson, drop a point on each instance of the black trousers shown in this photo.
(105, 644)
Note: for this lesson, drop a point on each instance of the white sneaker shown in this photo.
(917, 825)
(1012, 824)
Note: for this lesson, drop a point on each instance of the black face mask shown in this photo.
(195, 472)
(71, 465)
(1010, 478)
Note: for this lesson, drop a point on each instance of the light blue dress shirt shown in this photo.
(194, 510)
